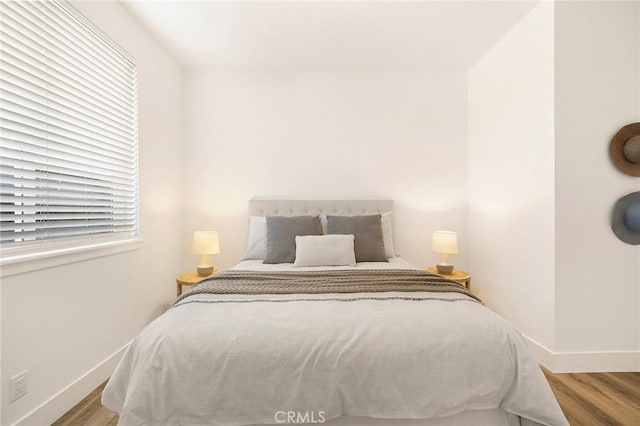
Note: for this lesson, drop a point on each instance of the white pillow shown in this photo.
(257, 242)
(325, 250)
(387, 232)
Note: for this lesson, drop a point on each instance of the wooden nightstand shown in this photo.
(459, 276)
(188, 279)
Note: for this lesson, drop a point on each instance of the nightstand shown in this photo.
(189, 279)
(458, 276)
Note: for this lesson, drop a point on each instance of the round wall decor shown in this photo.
(625, 218)
(625, 149)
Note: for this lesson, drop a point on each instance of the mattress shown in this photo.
(372, 358)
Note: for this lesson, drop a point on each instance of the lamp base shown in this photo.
(204, 271)
(445, 269)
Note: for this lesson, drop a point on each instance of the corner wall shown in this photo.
(67, 324)
(544, 104)
(597, 68)
(511, 176)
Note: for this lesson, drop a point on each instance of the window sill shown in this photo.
(19, 264)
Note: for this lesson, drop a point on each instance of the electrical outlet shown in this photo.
(18, 386)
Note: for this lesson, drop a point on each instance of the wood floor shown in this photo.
(598, 398)
(592, 399)
(89, 412)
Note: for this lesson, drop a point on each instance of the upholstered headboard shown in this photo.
(262, 206)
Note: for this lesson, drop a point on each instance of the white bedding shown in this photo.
(239, 359)
(257, 265)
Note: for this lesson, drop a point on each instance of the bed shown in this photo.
(370, 343)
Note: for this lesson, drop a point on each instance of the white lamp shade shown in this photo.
(205, 242)
(444, 242)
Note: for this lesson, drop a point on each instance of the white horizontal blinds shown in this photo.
(68, 127)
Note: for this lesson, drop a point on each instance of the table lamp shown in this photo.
(205, 243)
(445, 243)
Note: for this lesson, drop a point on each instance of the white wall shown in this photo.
(326, 134)
(511, 176)
(597, 68)
(66, 322)
(544, 104)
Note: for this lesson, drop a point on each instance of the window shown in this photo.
(68, 131)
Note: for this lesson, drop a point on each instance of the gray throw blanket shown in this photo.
(332, 281)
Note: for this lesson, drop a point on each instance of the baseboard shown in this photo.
(540, 352)
(53, 408)
(584, 362)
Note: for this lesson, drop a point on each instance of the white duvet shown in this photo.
(242, 359)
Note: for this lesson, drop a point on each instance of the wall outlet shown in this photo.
(18, 386)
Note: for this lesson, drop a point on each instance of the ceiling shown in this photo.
(329, 34)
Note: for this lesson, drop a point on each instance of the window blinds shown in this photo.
(68, 123)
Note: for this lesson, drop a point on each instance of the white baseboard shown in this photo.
(584, 362)
(51, 410)
(543, 355)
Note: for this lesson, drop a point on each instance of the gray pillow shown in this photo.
(369, 241)
(281, 236)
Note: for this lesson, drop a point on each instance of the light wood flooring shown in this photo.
(598, 398)
(591, 399)
(89, 412)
